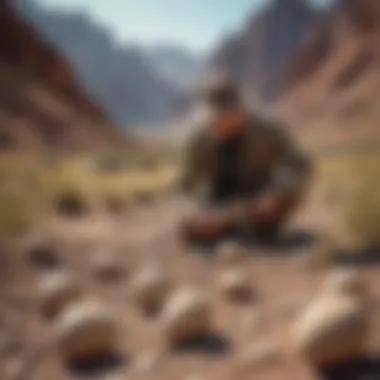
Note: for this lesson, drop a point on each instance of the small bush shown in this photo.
(110, 163)
(22, 200)
(361, 216)
(70, 203)
(115, 204)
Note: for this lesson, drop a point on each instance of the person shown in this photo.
(244, 170)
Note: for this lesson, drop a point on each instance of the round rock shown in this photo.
(86, 329)
(230, 253)
(41, 251)
(186, 316)
(234, 284)
(331, 329)
(150, 289)
(345, 282)
(56, 291)
(107, 267)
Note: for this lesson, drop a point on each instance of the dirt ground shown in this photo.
(281, 277)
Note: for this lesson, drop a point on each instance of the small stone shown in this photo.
(187, 315)
(86, 329)
(234, 284)
(41, 251)
(331, 328)
(230, 253)
(150, 289)
(107, 267)
(56, 291)
(345, 282)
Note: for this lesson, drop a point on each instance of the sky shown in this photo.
(194, 24)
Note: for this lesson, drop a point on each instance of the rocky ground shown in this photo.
(121, 298)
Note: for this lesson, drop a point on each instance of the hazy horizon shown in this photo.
(193, 25)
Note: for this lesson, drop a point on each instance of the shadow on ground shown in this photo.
(96, 365)
(357, 258)
(287, 245)
(367, 368)
(211, 344)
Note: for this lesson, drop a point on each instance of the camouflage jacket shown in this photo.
(267, 149)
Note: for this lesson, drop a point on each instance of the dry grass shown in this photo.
(34, 188)
(350, 185)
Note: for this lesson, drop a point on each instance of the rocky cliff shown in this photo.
(332, 84)
(257, 54)
(41, 103)
(120, 76)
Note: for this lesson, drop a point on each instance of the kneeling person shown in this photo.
(253, 174)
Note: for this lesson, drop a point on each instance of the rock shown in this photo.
(86, 329)
(147, 362)
(107, 267)
(230, 253)
(345, 282)
(260, 354)
(56, 291)
(187, 315)
(331, 328)
(234, 284)
(150, 289)
(41, 251)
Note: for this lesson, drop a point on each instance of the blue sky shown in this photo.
(195, 24)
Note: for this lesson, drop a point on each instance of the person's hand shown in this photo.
(266, 206)
(207, 223)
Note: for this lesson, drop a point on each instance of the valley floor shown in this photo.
(282, 279)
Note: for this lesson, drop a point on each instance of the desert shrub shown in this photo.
(148, 162)
(70, 203)
(111, 162)
(361, 216)
(114, 203)
(22, 199)
(72, 188)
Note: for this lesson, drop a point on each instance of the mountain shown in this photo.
(177, 65)
(42, 105)
(257, 54)
(332, 85)
(120, 77)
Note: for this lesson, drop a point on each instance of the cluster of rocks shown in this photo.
(333, 326)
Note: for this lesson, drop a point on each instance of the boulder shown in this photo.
(186, 316)
(86, 329)
(56, 291)
(331, 328)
